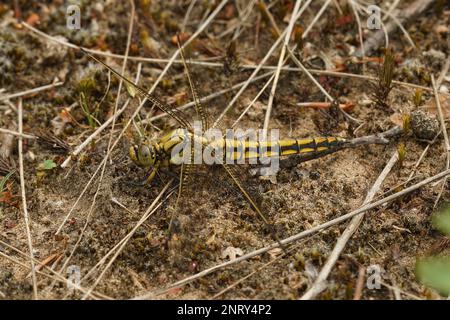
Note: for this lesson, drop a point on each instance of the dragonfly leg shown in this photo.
(184, 175)
(150, 175)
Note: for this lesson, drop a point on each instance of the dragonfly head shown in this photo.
(144, 154)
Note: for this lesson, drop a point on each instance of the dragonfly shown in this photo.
(154, 155)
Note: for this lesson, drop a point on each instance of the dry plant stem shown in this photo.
(301, 67)
(267, 13)
(280, 64)
(414, 169)
(298, 236)
(322, 105)
(401, 291)
(151, 209)
(360, 32)
(112, 55)
(201, 28)
(443, 73)
(220, 65)
(397, 294)
(17, 134)
(104, 162)
(370, 78)
(79, 197)
(88, 140)
(410, 13)
(320, 282)
(316, 18)
(7, 144)
(255, 72)
(391, 9)
(261, 91)
(110, 252)
(187, 15)
(329, 97)
(338, 7)
(310, 76)
(253, 75)
(56, 276)
(360, 283)
(444, 131)
(255, 271)
(124, 66)
(24, 200)
(308, 71)
(243, 16)
(207, 98)
(31, 91)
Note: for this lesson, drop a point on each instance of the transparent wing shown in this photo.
(175, 114)
(201, 112)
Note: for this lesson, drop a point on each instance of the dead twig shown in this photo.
(7, 143)
(121, 245)
(104, 162)
(280, 61)
(24, 200)
(296, 237)
(408, 14)
(359, 283)
(444, 131)
(320, 282)
(17, 134)
(31, 91)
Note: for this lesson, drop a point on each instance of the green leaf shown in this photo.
(434, 272)
(47, 165)
(5, 179)
(441, 220)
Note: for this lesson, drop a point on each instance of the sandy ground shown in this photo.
(213, 216)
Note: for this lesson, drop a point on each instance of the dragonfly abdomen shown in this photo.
(247, 150)
(238, 149)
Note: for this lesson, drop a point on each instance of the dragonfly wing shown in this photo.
(154, 100)
(201, 112)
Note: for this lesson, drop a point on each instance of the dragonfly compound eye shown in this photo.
(145, 155)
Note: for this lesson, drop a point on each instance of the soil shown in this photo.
(213, 219)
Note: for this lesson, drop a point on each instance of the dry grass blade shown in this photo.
(109, 149)
(280, 64)
(103, 163)
(444, 131)
(269, 53)
(31, 91)
(17, 134)
(24, 201)
(136, 112)
(298, 236)
(410, 13)
(7, 166)
(52, 142)
(151, 209)
(54, 275)
(320, 282)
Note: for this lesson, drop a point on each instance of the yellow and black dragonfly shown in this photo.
(154, 155)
